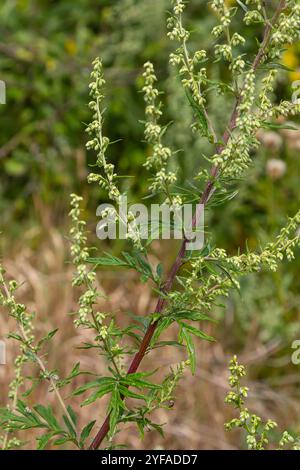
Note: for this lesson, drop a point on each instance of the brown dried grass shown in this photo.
(197, 418)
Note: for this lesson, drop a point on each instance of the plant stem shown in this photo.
(41, 365)
(207, 193)
(52, 382)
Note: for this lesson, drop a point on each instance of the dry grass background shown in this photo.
(197, 418)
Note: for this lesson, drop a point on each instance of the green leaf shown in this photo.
(75, 372)
(15, 336)
(161, 344)
(108, 260)
(205, 251)
(48, 337)
(44, 440)
(69, 426)
(196, 332)
(141, 427)
(130, 260)
(135, 261)
(104, 390)
(228, 275)
(186, 337)
(130, 394)
(273, 125)
(103, 381)
(244, 7)
(194, 315)
(133, 380)
(35, 383)
(72, 415)
(159, 270)
(86, 431)
(141, 260)
(211, 268)
(158, 428)
(163, 324)
(61, 441)
(144, 278)
(115, 406)
(199, 114)
(46, 413)
(24, 417)
(276, 65)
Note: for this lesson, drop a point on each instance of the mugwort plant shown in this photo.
(198, 278)
(258, 433)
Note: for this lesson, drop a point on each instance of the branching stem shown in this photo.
(207, 193)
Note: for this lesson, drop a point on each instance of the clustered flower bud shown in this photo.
(158, 159)
(191, 76)
(287, 31)
(253, 16)
(99, 143)
(258, 433)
